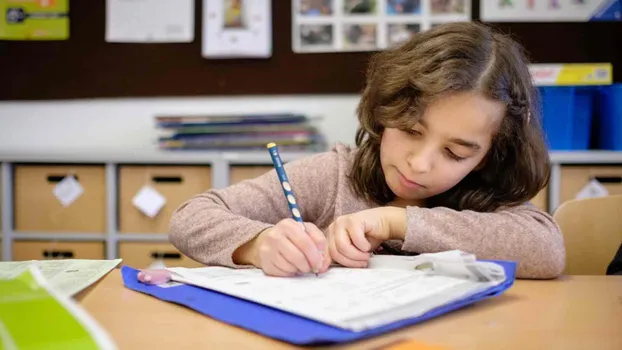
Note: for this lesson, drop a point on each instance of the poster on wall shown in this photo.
(237, 29)
(550, 10)
(367, 25)
(34, 19)
(149, 21)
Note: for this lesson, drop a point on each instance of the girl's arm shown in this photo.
(211, 226)
(523, 234)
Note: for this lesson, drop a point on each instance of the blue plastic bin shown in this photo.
(567, 116)
(609, 125)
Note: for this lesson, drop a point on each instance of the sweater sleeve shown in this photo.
(523, 234)
(210, 226)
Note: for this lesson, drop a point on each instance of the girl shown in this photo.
(449, 151)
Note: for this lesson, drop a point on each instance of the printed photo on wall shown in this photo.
(448, 6)
(367, 25)
(400, 32)
(359, 36)
(316, 36)
(316, 7)
(550, 10)
(234, 14)
(403, 7)
(359, 7)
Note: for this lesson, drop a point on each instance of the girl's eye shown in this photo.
(412, 132)
(454, 156)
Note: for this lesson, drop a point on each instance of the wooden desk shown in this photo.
(578, 312)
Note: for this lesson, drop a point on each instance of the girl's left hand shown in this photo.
(352, 238)
(154, 276)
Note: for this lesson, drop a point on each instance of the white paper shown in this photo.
(68, 190)
(543, 10)
(67, 276)
(354, 299)
(149, 201)
(592, 189)
(149, 21)
(237, 29)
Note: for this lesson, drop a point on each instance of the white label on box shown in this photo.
(593, 189)
(68, 190)
(149, 201)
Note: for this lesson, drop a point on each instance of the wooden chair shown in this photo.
(592, 230)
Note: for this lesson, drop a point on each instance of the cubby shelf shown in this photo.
(220, 164)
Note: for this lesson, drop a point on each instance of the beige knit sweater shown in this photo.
(210, 226)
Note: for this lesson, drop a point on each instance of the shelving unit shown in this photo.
(584, 158)
(220, 165)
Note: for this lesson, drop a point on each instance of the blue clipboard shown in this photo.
(282, 325)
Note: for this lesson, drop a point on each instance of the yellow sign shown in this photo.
(34, 19)
(572, 74)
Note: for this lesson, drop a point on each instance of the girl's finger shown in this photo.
(344, 245)
(304, 243)
(282, 264)
(316, 235)
(271, 269)
(327, 261)
(341, 259)
(356, 232)
(294, 256)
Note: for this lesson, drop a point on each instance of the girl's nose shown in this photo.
(420, 162)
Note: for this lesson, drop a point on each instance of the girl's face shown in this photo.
(451, 139)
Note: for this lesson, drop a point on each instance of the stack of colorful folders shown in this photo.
(249, 132)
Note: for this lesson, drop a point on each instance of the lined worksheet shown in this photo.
(354, 299)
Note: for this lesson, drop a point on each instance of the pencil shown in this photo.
(287, 189)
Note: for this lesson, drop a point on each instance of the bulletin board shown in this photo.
(86, 66)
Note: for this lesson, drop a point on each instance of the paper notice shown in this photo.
(67, 276)
(149, 201)
(149, 21)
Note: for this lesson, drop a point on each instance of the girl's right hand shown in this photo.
(287, 250)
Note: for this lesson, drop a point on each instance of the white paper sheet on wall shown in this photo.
(237, 29)
(149, 21)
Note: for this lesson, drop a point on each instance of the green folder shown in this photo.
(35, 316)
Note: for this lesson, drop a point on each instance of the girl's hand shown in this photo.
(154, 276)
(287, 250)
(352, 238)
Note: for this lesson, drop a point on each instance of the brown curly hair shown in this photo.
(447, 59)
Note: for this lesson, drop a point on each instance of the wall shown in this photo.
(129, 123)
